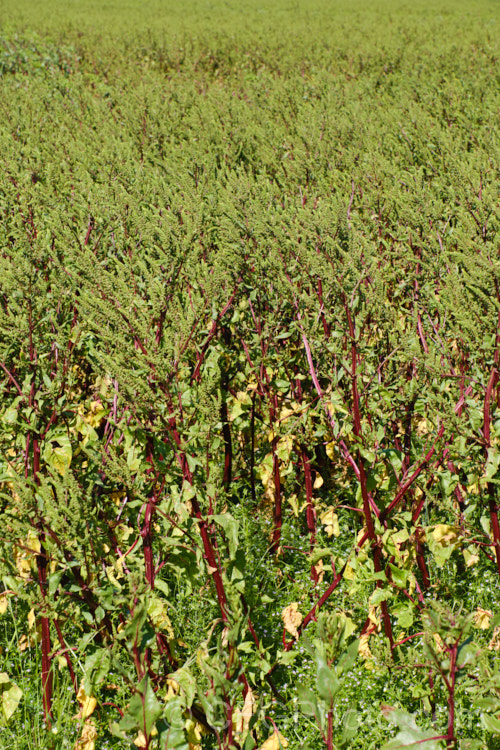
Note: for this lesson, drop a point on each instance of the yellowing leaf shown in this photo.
(422, 427)
(87, 704)
(242, 399)
(10, 695)
(443, 540)
(265, 472)
(3, 602)
(275, 742)
(364, 651)
(173, 688)
(375, 621)
(25, 553)
(95, 415)
(318, 482)
(25, 642)
(320, 570)
(439, 643)
(330, 521)
(31, 618)
(471, 558)
(292, 618)
(124, 532)
(117, 496)
(23, 566)
(482, 618)
(349, 572)
(241, 717)
(494, 644)
(158, 615)
(331, 450)
(284, 448)
(110, 572)
(194, 731)
(445, 535)
(87, 739)
(140, 740)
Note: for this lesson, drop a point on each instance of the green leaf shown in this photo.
(410, 735)
(404, 613)
(492, 463)
(10, 415)
(11, 695)
(230, 526)
(347, 659)
(143, 709)
(308, 702)
(187, 683)
(286, 657)
(318, 553)
(193, 462)
(54, 581)
(162, 586)
(327, 683)
(398, 576)
(490, 723)
(97, 666)
(58, 453)
(380, 595)
(350, 723)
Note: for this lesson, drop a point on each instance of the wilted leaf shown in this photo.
(330, 450)
(364, 650)
(87, 704)
(319, 569)
(494, 644)
(292, 618)
(26, 641)
(31, 618)
(471, 558)
(140, 740)
(275, 742)
(3, 603)
(194, 731)
(318, 482)
(482, 618)
(87, 739)
(330, 521)
(241, 717)
(158, 616)
(443, 540)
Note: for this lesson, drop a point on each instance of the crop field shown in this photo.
(249, 375)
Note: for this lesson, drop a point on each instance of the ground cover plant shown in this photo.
(249, 365)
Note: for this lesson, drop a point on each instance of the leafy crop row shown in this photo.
(249, 352)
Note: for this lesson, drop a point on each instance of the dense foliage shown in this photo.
(249, 352)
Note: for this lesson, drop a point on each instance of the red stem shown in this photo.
(492, 502)
(367, 505)
(329, 736)
(310, 511)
